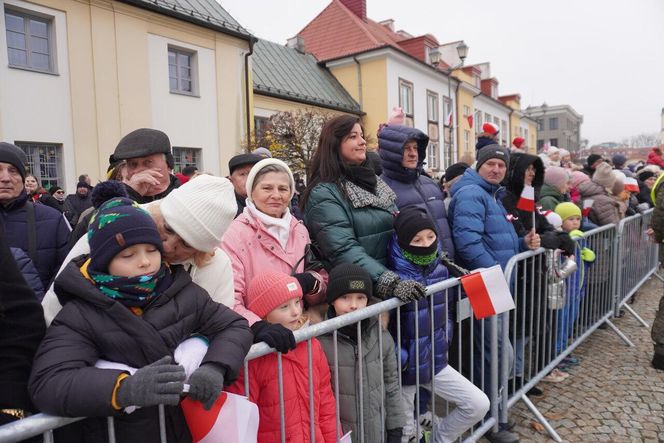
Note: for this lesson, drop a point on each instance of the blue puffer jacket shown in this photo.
(410, 185)
(29, 272)
(483, 236)
(52, 233)
(442, 331)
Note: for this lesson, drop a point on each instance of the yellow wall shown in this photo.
(110, 76)
(280, 105)
(464, 98)
(372, 96)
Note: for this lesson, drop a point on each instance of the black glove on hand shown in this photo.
(409, 290)
(275, 335)
(158, 383)
(307, 282)
(394, 435)
(206, 383)
(567, 244)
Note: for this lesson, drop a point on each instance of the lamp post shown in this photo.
(435, 58)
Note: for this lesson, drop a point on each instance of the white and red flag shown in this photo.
(587, 206)
(488, 292)
(231, 419)
(631, 184)
(527, 200)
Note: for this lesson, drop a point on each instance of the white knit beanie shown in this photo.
(260, 165)
(200, 211)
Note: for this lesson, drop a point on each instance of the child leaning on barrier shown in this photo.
(123, 304)
(349, 289)
(277, 298)
(415, 254)
(570, 214)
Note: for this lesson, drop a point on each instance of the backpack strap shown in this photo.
(32, 231)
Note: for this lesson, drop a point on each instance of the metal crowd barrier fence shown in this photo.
(549, 322)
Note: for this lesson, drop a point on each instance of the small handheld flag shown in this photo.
(527, 200)
(587, 206)
(488, 292)
(631, 184)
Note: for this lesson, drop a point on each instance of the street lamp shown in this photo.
(435, 58)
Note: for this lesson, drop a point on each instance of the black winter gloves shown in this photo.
(307, 282)
(206, 383)
(275, 335)
(409, 290)
(158, 383)
(567, 244)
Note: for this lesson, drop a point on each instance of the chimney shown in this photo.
(389, 24)
(358, 7)
(296, 43)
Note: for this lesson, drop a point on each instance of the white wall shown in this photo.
(36, 107)
(487, 105)
(189, 121)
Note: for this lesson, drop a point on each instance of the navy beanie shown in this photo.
(118, 224)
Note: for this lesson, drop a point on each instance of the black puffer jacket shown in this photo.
(92, 326)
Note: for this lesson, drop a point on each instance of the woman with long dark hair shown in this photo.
(349, 211)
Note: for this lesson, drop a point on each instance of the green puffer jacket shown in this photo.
(372, 402)
(550, 197)
(351, 226)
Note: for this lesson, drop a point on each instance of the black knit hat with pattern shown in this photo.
(347, 278)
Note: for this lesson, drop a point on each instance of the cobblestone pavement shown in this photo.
(614, 395)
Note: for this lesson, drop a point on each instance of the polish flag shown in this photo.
(488, 292)
(527, 200)
(448, 121)
(231, 419)
(470, 121)
(587, 206)
(631, 184)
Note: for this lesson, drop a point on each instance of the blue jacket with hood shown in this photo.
(483, 235)
(411, 186)
(443, 326)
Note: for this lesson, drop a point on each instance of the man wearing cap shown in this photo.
(484, 237)
(39, 230)
(149, 164)
(488, 136)
(76, 203)
(239, 167)
(593, 161)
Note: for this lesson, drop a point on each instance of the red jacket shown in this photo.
(264, 391)
(655, 159)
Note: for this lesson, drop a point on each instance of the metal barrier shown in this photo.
(538, 335)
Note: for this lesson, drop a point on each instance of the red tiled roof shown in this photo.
(337, 32)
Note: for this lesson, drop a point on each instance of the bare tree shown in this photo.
(644, 140)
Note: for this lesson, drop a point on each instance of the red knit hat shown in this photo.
(518, 141)
(269, 290)
(490, 128)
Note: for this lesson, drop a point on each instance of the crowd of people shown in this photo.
(118, 296)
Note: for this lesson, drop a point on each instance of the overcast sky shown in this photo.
(605, 58)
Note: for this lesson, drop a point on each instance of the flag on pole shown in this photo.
(631, 184)
(470, 121)
(587, 206)
(527, 200)
(231, 419)
(488, 292)
(448, 120)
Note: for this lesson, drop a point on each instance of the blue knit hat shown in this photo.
(118, 224)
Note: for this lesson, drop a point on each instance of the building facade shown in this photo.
(81, 74)
(558, 125)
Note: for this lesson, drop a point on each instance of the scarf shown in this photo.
(363, 176)
(133, 292)
(421, 260)
(279, 228)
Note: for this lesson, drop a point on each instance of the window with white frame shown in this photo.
(487, 117)
(478, 121)
(30, 41)
(432, 107)
(44, 161)
(406, 101)
(447, 110)
(433, 157)
(466, 111)
(182, 71)
(466, 140)
(503, 132)
(186, 157)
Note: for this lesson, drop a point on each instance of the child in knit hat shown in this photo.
(277, 298)
(570, 214)
(124, 305)
(350, 289)
(415, 253)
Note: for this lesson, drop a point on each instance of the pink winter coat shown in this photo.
(253, 250)
(264, 391)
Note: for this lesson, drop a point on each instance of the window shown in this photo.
(553, 142)
(487, 117)
(44, 161)
(466, 140)
(466, 111)
(261, 125)
(553, 123)
(540, 124)
(406, 101)
(186, 157)
(447, 109)
(29, 41)
(478, 122)
(503, 132)
(432, 150)
(432, 107)
(182, 71)
(540, 144)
